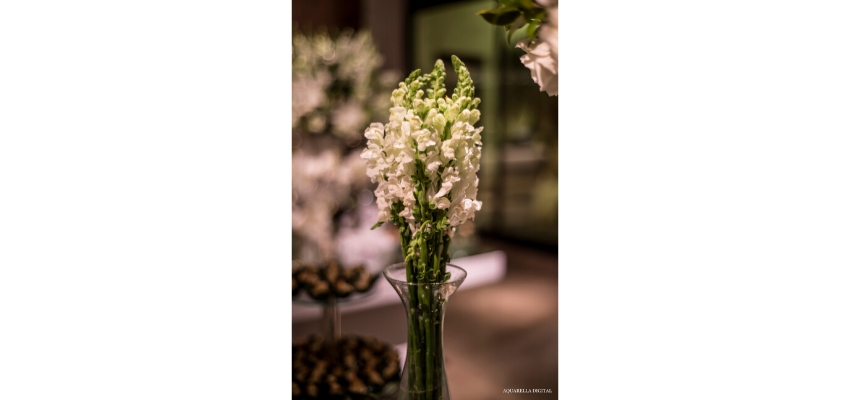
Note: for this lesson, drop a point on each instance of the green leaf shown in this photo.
(377, 225)
(519, 24)
(531, 30)
(501, 16)
(537, 14)
(526, 4)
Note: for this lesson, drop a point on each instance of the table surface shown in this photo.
(496, 336)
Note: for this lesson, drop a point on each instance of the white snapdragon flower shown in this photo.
(390, 153)
(424, 139)
(427, 157)
(432, 162)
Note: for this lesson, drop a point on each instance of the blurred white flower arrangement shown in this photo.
(336, 85)
(337, 88)
(533, 26)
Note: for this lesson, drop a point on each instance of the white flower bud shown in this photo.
(453, 111)
(439, 123)
(474, 116)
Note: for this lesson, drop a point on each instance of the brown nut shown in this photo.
(307, 278)
(312, 391)
(332, 271)
(350, 376)
(362, 284)
(357, 386)
(301, 373)
(335, 388)
(318, 373)
(342, 288)
(390, 371)
(373, 377)
(348, 344)
(320, 290)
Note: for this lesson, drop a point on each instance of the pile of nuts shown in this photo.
(351, 368)
(331, 280)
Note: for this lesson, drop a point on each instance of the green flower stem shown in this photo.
(438, 329)
(413, 332)
(427, 321)
(427, 325)
(417, 376)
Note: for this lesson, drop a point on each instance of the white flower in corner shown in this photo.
(549, 31)
(541, 43)
(543, 64)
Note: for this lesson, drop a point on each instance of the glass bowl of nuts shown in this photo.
(330, 283)
(350, 368)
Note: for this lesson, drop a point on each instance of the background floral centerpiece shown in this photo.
(337, 89)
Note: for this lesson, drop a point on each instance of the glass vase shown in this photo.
(424, 374)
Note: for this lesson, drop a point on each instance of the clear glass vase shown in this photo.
(424, 374)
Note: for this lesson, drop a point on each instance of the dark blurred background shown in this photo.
(502, 335)
(519, 166)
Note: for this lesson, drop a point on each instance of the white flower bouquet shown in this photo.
(425, 161)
